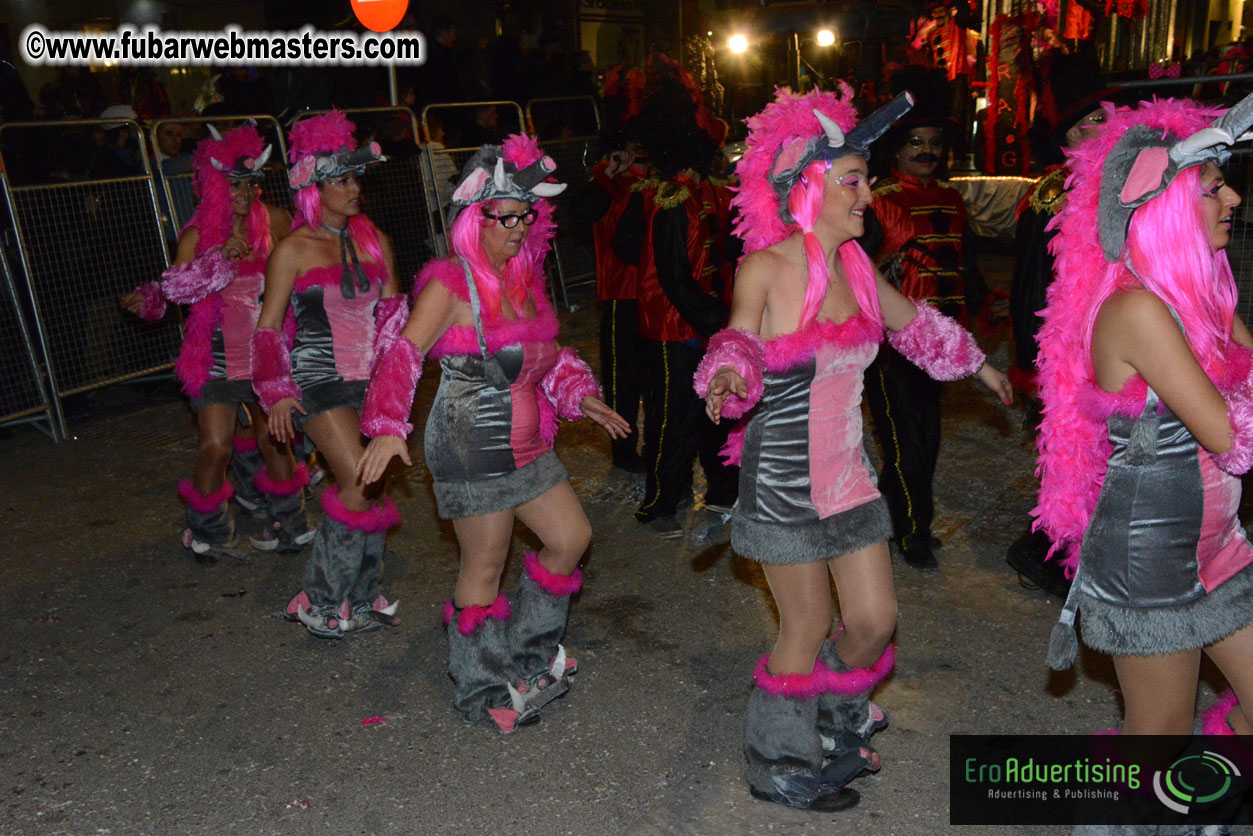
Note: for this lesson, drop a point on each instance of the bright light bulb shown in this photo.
(825, 37)
(737, 44)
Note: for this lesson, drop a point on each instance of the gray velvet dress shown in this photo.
(1164, 564)
(807, 489)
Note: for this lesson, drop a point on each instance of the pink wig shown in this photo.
(212, 218)
(1169, 248)
(523, 272)
(759, 223)
(327, 134)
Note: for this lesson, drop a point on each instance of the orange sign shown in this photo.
(380, 15)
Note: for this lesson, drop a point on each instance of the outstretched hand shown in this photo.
(378, 455)
(599, 411)
(995, 379)
(726, 382)
(280, 422)
(133, 302)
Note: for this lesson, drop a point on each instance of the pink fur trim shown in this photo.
(193, 281)
(548, 421)
(1099, 404)
(788, 351)
(372, 521)
(733, 451)
(472, 617)
(195, 358)
(204, 504)
(390, 317)
(551, 582)
(1214, 720)
(322, 134)
(745, 353)
(245, 444)
(797, 686)
(282, 488)
(389, 399)
(445, 271)
(521, 150)
(860, 680)
(330, 275)
(153, 306)
(271, 368)
(567, 383)
(937, 345)
(1239, 457)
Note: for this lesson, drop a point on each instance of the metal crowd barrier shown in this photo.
(23, 395)
(82, 245)
(176, 198)
(555, 122)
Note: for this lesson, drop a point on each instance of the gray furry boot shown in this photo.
(783, 748)
(540, 609)
(288, 529)
(486, 684)
(210, 530)
(246, 463)
(846, 716)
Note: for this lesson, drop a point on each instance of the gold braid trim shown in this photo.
(671, 194)
(1048, 196)
(886, 187)
(641, 185)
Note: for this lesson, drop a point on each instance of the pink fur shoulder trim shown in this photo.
(551, 582)
(788, 351)
(372, 521)
(445, 271)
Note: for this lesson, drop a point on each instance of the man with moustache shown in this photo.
(922, 224)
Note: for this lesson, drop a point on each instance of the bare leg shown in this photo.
(217, 439)
(278, 458)
(337, 434)
(1233, 655)
(1159, 692)
(863, 581)
(484, 542)
(802, 592)
(557, 517)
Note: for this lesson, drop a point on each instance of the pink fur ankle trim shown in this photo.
(373, 520)
(802, 686)
(193, 281)
(1239, 458)
(201, 503)
(271, 368)
(472, 617)
(745, 353)
(1214, 720)
(937, 345)
(860, 680)
(153, 302)
(393, 382)
(245, 444)
(551, 582)
(567, 383)
(287, 487)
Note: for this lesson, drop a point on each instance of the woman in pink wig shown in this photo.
(218, 270)
(1148, 419)
(484, 312)
(335, 273)
(808, 316)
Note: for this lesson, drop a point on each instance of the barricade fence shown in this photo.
(23, 391)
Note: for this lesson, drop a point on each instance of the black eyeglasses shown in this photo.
(510, 221)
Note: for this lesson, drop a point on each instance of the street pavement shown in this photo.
(143, 693)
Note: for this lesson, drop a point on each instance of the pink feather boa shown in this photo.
(153, 301)
(285, 487)
(271, 368)
(393, 382)
(471, 618)
(937, 345)
(567, 383)
(185, 284)
(372, 520)
(551, 582)
(1214, 720)
(200, 502)
(195, 358)
(745, 353)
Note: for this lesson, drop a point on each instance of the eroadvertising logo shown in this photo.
(1098, 779)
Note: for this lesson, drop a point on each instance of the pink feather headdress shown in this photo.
(212, 218)
(323, 146)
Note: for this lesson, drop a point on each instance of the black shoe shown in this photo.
(1026, 556)
(841, 799)
(920, 556)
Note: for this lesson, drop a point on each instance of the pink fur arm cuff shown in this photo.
(745, 353)
(153, 301)
(390, 318)
(567, 383)
(193, 281)
(1239, 458)
(937, 345)
(389, 400)
(271, 368)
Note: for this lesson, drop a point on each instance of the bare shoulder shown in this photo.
(280, 220)
(1135, 309)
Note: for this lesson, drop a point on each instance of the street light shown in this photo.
(737, 44)
(825, 37)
